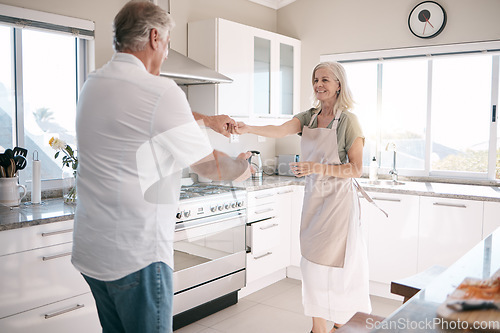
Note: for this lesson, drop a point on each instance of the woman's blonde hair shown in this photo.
(133, 23)
(344, 98)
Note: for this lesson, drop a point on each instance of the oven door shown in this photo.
(209, 248)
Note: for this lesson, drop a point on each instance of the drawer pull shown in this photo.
(285, 192)
(387, 199)
(264, 196)
(269, 226)
(264, 210)
(47, 234)
(56, 256)
(57, 313)
(264, 255)
(449, 205)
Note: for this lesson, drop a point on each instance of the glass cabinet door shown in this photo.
(262, 76)
(286, 79)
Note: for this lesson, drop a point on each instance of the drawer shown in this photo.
(261, 197)
(265, 236)
(261, 212)
(34, 278)
(76, 315)
(24, 239)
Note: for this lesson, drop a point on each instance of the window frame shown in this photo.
(433, 52)
(83, 30)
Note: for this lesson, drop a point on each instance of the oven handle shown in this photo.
(209, 220)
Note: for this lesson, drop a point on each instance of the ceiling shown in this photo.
(275, 4)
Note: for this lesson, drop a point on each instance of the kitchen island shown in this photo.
(419, 314)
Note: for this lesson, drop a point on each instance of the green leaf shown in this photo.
(57, 154)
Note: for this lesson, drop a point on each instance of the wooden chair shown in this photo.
(359, 323)
(409, 286)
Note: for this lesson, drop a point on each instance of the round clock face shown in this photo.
(427, 19)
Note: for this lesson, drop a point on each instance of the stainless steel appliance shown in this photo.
(284, 164)
(256, 161)
(209, 250)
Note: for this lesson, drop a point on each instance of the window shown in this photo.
(434, 103)
(42, 67)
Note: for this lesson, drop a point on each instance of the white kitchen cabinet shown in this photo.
(75, 315)
(392, 241)
(448, 229)
(264, 66)
(491, 218)
(268, 232)
(36, 273)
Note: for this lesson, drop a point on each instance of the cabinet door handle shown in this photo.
(264, 210)
(57, 313)
(285, 192)
(264, 196)
(55, 256)
(387, 199)
(264, 255)
(52, 233)
(269, 226)
(449, 205)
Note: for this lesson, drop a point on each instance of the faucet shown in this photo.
(393, 172)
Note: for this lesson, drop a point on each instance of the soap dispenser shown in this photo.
(373, 169)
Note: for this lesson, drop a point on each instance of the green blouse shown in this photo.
(348, 129)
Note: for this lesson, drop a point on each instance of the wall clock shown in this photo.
(427, 19)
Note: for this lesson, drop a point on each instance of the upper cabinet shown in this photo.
(264, 66)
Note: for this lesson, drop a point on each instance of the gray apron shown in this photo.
(328, 201)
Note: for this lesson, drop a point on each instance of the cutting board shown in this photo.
(464, 319)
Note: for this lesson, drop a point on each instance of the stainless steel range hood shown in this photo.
(186, 71)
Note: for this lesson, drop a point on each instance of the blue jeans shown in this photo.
(139, 302)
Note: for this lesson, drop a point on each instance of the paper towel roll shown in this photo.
(36, 188)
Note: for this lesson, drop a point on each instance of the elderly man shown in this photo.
(135, 133)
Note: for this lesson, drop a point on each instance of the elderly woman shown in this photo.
(334, 258)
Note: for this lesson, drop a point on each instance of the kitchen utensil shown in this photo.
(473, 305)
(20, 162)
(4, 161)
(256, 161)
(12, 168)
(3, 174)
(20, 151)
(9, 192)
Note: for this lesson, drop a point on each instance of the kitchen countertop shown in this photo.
(443, 190)
(54, 210)
(419, 313)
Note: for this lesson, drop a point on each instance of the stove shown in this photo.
(202, 200)
(209, 250)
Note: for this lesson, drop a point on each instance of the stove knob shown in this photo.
(187, 213)
(239, 203)
(178, 215)
(213, 209)
(233, 205)
(227, 206)
(220, 207)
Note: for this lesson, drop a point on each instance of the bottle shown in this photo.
(373, 169)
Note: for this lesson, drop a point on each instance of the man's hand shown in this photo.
(220, 124)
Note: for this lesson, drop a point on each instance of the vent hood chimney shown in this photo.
(184, 70)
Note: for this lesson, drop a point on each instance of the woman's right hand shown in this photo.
(240, 128)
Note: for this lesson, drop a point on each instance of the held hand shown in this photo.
(240, 128)
(221, 124)
(301, 169)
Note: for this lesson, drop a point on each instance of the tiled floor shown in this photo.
(275, 309)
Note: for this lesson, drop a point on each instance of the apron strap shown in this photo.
(334, 124)
(367, 197)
